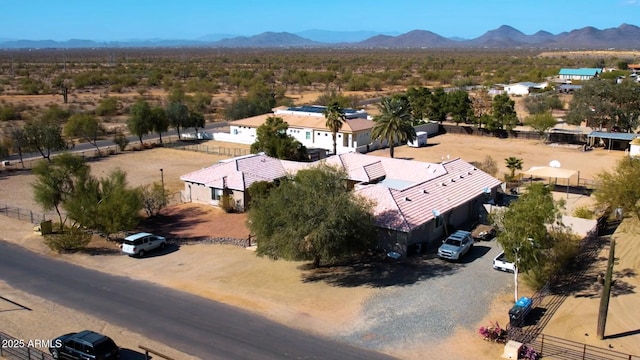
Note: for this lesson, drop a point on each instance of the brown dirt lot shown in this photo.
(275, 289)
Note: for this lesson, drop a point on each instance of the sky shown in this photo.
(119, 20)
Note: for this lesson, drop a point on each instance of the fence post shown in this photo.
(31, 213)
(584, 351)
(542, 345)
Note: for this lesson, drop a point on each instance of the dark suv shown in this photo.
(84, 345)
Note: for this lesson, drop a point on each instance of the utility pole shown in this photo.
(606, 292)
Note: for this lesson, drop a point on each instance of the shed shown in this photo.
(420, 140)
(617, 141)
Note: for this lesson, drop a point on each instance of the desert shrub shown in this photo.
(583, 212)
(493, 333)
(227, 203)
(487, 165)
(154, 199)
(120, 140)
(70, 240)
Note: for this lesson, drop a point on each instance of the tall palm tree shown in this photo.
(394, 122)
(513, 164)
(335, 120)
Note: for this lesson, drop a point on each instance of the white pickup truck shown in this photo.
(502, 264)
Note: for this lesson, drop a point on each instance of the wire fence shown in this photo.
(209, 149)
(26, 214)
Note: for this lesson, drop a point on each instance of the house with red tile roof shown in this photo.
(414, 202)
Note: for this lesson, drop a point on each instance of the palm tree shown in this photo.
(335, 120)
(513, 164)
(393, 123)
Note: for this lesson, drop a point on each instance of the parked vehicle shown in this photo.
(141, 243)
(483, 232)
(86, 345)
(502, 264)
(456, 245)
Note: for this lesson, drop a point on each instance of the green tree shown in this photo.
(437, 106)
(504, 112)
(393, 123)
(259, 100)
(159, 121)
(592, 104)
(108, 205)
(541, 123)
(86, 127)
(273, 140)
(524, 227)
(140, 117)
(513, 163)
(44, 136)
(542, 103)
(57, 180)
(18, 140)
(107, 107)
(459, 106)
(195, 120)
(329, 223)
(178, 115)
(335, 119)
(419, 99)
(621, 187)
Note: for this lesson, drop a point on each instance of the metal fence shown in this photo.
(551, 347)
(209, 149)
(25, 214)
(17, 349)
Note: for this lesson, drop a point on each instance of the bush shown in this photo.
(121, 140)
(494, 333)
(583, 212)
(70, 240)
(226, 202)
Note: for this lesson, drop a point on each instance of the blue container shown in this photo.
(519, 311)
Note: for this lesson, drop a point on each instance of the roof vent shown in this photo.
(469, 173)
(424, 191)
(461, 176)
(444, 184)
(453, 180)
(407, 199)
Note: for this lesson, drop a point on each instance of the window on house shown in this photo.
(216, 194)
(308, 135)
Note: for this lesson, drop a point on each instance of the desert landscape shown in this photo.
(275, 288)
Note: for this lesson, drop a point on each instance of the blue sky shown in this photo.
(115, 20)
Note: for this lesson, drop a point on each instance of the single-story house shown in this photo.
(307, 124)
(415, 202)
(523, 88)
(579, 74)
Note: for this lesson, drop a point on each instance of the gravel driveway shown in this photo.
(429, 310)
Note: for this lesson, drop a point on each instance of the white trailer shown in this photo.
(420, 141)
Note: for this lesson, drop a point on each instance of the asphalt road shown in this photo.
(191, 324)
(84, 146)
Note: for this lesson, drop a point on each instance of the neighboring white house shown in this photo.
(523, 88)
(307, 125)
(414, 202)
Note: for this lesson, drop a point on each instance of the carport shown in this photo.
(552, 172)
(611, 136)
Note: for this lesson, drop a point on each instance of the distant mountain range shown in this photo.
(623, 37)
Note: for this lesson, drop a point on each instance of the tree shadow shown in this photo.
(173, 225)
(379, 272)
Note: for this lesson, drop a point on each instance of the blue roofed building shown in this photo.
(579, 74)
